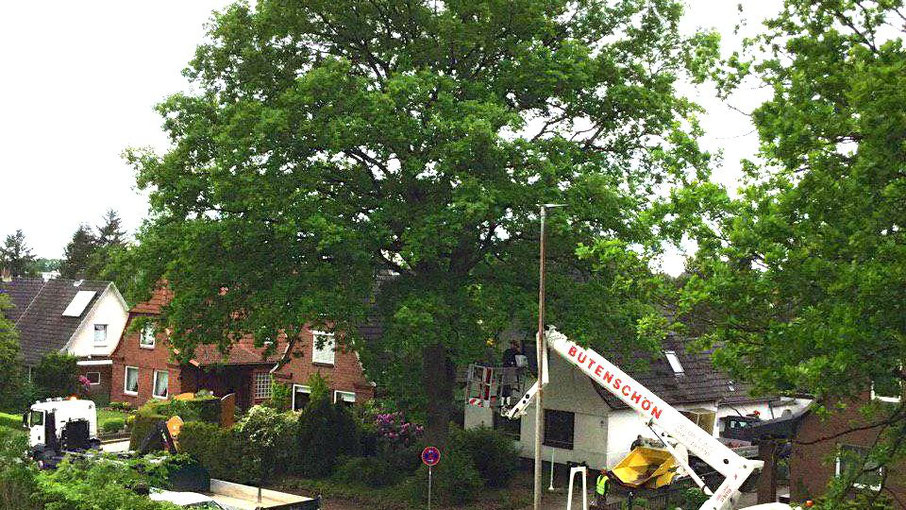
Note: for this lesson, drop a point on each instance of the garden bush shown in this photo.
(114, 425)
(492, 452)
(205, 408)
(223, 452)
(325, 432)
(17, 481)
(456, 481)
(120, 406)
(372, 472)
(12, 421)
(270, 437)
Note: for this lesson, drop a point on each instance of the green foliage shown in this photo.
(270, 436)
(492, 453)
(200, 408)
(799, 281)
(281, 396)
(16, 256)
(113, 426)
(420, 141)
(456, 480)
(120, 406)
(326, 431)
(95, 256)
(98, 484)
(694, 497)
(12, 421)
(57, 375)
(368, 471)
(10, 359)
(17, 478)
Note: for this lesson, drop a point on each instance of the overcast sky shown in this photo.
(80, 79)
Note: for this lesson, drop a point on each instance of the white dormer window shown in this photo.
(79, 302)
(323, 348)
(146, 339)
(674, 362)
(100, 334)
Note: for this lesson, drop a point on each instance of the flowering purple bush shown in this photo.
(85, 385)
(395, 430)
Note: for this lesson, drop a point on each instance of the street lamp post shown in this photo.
(541, 348)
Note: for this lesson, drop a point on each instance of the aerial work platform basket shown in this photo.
(492, 387)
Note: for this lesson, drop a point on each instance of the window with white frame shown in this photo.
(161, 384)
(323, 348)
(100, 334)
(852, 462)
(887, 389)
(131, 384)
(301, 396)
(146, 339)
(345, 397)
(262, 385)
(674, 361)
(94, 378)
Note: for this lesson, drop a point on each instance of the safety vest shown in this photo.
(601, 485)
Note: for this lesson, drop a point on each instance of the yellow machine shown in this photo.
(645, 467)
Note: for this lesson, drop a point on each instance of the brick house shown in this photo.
(143, 367)
(825, 447)
(79, 317)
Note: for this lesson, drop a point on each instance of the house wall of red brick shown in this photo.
(147, 360)
(104, 385)
(345, 374)
(813, 458)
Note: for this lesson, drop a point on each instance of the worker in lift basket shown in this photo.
(601, 487)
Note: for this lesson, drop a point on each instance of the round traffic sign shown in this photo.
(430, 456)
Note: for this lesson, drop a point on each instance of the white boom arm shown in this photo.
(657, 413)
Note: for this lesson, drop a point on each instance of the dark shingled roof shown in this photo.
(21, 292)
(41, 324)
(700, 381)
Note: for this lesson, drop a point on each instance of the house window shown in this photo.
(131, 386)
(512, 428)
(674, 362)
(262, 385)
(345, 397)
(703, 418)
(94, 378)
(100, 334)
(559, 428)
(852, 462)
(323, 348)
(161, 384)
(146, 339)
(887, 389)
(301, 396)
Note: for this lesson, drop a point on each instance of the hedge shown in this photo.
(142, 425)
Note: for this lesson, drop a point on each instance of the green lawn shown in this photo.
(13, 421)
(106, 415)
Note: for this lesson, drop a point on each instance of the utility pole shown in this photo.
(541, 349)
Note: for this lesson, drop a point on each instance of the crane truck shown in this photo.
(678, 433)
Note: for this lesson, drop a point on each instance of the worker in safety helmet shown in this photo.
(601, 487)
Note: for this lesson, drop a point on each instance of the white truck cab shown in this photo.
(58, 425)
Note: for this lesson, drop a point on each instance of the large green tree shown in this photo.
(93, 255)
(334, 144)
(802, 280)
(79, 253)
(16, 257)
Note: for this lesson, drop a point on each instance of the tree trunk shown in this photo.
(439, 378)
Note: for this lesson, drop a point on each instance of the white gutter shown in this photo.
(95, 363)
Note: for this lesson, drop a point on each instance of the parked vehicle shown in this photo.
(59, 426)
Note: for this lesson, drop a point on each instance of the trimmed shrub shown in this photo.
(206, 409)
(113, 426)
(492, 452)
(225, 453)
(325, 432)
(269, 434)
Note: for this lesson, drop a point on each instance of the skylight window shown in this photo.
(674, 362)
(79, 302)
